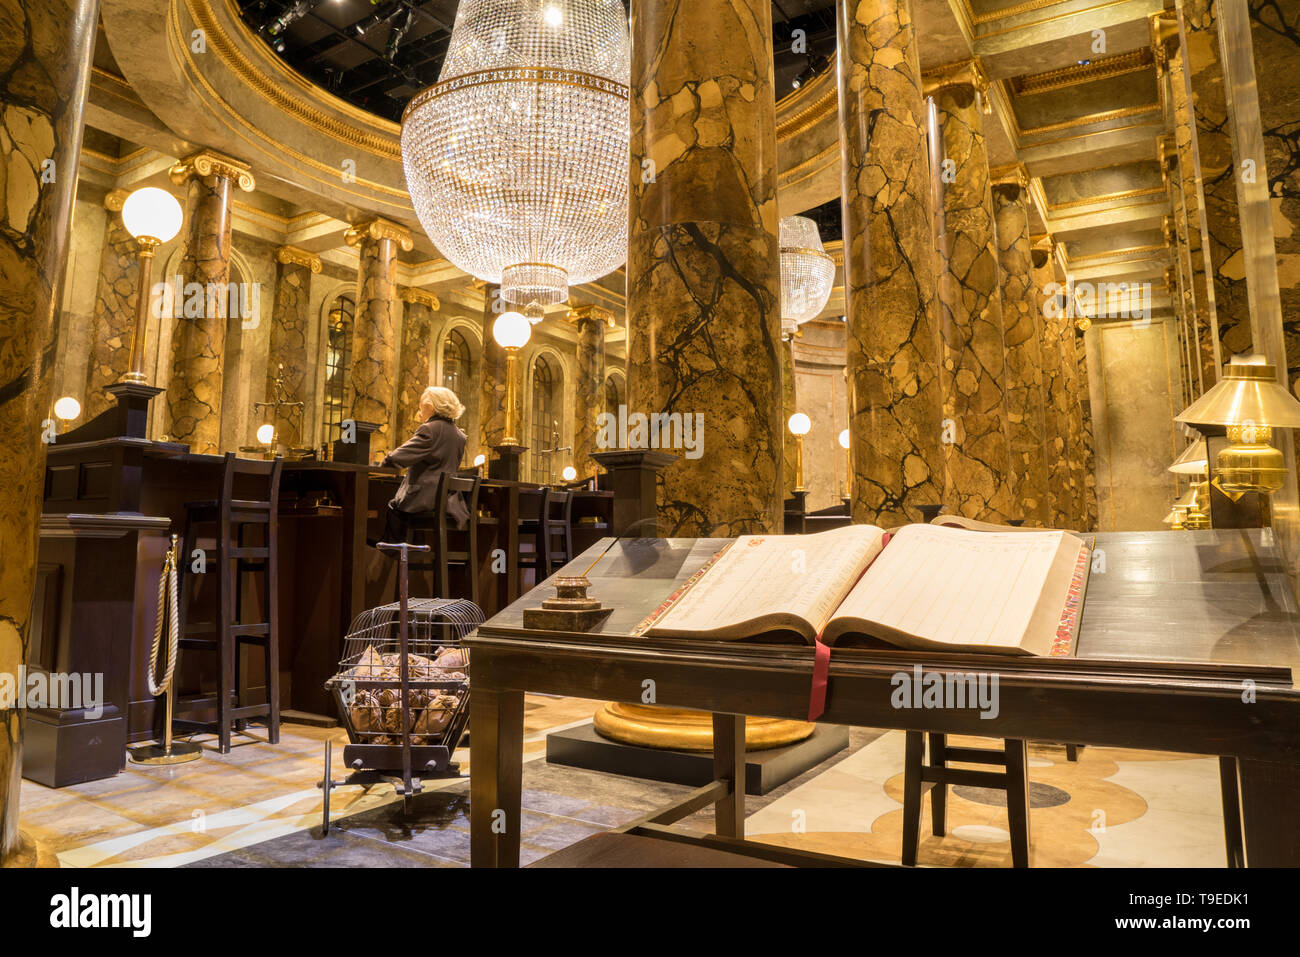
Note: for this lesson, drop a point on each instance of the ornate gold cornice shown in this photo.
(1105, 116)
(1109, 198)
(209, 166)
(1102, 69)
(420, 296)
(1163, 27)
(292, 255)
(822, 95)
(961, 73)
(114, 199)
(590, 312)
(376, 229)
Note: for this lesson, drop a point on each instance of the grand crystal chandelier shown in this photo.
(807, 273)
(517, 159)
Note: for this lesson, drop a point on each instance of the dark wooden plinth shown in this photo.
(65, 748)
(583, 747)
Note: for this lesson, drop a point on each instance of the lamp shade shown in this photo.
(512, 330)
(569, 473)
(1193, 461)
(1248, 394)
(800, 424)
(152, 213)
(479, 460)
(844, 438)
(266, 433)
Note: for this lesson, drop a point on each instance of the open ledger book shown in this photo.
(925, 587)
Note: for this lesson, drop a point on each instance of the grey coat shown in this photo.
(436, 447)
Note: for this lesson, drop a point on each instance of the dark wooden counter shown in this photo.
(1186, 644)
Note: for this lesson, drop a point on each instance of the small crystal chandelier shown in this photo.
(517, 159)
(807, 273)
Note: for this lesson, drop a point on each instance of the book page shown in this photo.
(774, 581)
(956, 587)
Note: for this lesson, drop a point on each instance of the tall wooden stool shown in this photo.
(1014, 757)
(449, 545)
(228, 518)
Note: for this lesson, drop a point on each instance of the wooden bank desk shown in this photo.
(1187, 644)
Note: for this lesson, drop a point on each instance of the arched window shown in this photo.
(613, 395)
(455, 364)
(338, 363)
(544, 435)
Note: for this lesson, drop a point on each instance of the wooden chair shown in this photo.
(449, 545)
(1014, 757)
(559, 530)
(227, 519)
(534, 553)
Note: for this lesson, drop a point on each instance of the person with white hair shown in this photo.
(436, 447)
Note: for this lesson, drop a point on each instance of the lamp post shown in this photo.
(799, 425)
(848, 466)
(153, 217)
(512, 330)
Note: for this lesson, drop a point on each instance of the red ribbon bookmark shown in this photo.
(820, 675)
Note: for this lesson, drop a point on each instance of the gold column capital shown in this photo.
(376, 229)
(1013, 175)
(1163, 27)
(421, 296)
(590, 311)
(287, 255)
(115, 199)
(208, 166)
(967, 72)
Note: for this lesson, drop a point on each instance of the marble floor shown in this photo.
(259, 807)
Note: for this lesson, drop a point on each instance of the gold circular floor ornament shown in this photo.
(679, 729)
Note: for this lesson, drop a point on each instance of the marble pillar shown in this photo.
(414, 361)
(199, 339)
(980, 480)
(703, 270)
(1075, 452)
(789, 406)
(1218, 177)
(1207, 325)
(588, 383)
(45, 61)
(889, 262)
(113, 322)
(1087, 451)
(1056, 408)
(1275, 38)
(289, 361)
(1022, 321)
(492, 380)
(374, 330)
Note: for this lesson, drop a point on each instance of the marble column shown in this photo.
(703, 270)
(1207, 325)
(199, 340)
(45, 60)
(889, 263)
(1087, 451)
(1218, 177)
(113, 322)
(415, 359)
(374, 330)
(980, 480)
(588, 383)
(1022, 321)
(1075, 453)
(492, 377)
(1275, 39)
(789, 406)
(1056, 408)
(289, 360)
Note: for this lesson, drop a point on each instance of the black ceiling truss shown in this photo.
(377, 54)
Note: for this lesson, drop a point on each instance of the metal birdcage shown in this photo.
(402, 690)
